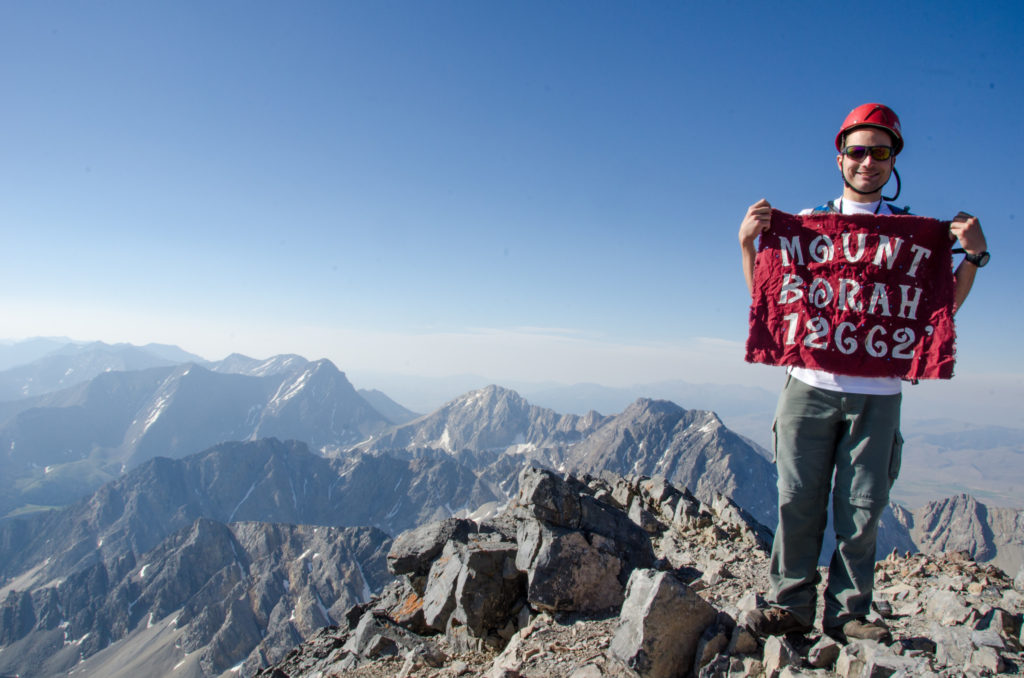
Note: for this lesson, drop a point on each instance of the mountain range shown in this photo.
(238, 550)
(187, 526)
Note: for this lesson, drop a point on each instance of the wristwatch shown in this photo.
(979, 259)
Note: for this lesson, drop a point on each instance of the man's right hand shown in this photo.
(757, 220)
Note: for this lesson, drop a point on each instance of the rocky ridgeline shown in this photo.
(614, 577)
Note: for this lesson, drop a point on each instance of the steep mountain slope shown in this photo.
(962, 523)
(690, 448)
(489, 419)
(318, 405)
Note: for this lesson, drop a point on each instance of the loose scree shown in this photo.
(861, 294)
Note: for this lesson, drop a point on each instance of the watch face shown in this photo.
(978, 260)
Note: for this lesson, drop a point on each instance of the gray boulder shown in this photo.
(661, 625)
(413, 551)
(568, 570)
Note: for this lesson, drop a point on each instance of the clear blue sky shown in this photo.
(523, 190)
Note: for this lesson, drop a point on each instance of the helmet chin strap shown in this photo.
(899, 187)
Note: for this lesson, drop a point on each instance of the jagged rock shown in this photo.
(550, 498)
(742, 641)
(987, 638)
(569, 504)
(747, 667)
(884, 665)
(778, 653)
(403, 605)
(577, 552)
(823, 653)
(373, 637)
(714, 640)
(985, 661)
(854, 658)
(565, 571)
(591, 646)
(413, 551)
(621, 490)
(658, 490)
(688, 513)
(1001, 622)
(489, 590)
(795, 672)
(947, 608)
(952, 644)
(733, 517)
(439, 595)
(714, 572)
(644, 518)
(661, 623)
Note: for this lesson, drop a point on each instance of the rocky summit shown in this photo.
(611, 576)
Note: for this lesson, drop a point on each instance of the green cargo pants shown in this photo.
(820, 434)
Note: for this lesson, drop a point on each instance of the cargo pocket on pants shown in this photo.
(896, 458)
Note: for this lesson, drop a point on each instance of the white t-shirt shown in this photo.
(842, 382)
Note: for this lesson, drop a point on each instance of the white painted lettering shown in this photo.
(848, 290)
(905, 337)
(791, 284)
(879, 297)
(875, 347)
(822, 249)
(821, 292)
(846, 345)
(792, 319)
(848, 251)
(919, 253)
(887, 250)
(790, 247)
(908, 306)
(818, 337)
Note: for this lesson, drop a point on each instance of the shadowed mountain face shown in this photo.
(962, 523)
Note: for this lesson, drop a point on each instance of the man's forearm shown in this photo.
(749, 257)
(964, 277)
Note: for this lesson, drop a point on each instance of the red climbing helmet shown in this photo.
(873, 115)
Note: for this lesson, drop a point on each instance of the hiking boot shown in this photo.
(774, 621)
(861, 629)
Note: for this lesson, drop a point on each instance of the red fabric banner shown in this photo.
(860, 294)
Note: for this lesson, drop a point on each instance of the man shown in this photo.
(838, 424)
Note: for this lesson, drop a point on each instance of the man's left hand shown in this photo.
(967, 229)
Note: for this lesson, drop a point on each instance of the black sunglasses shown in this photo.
(858, 153)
